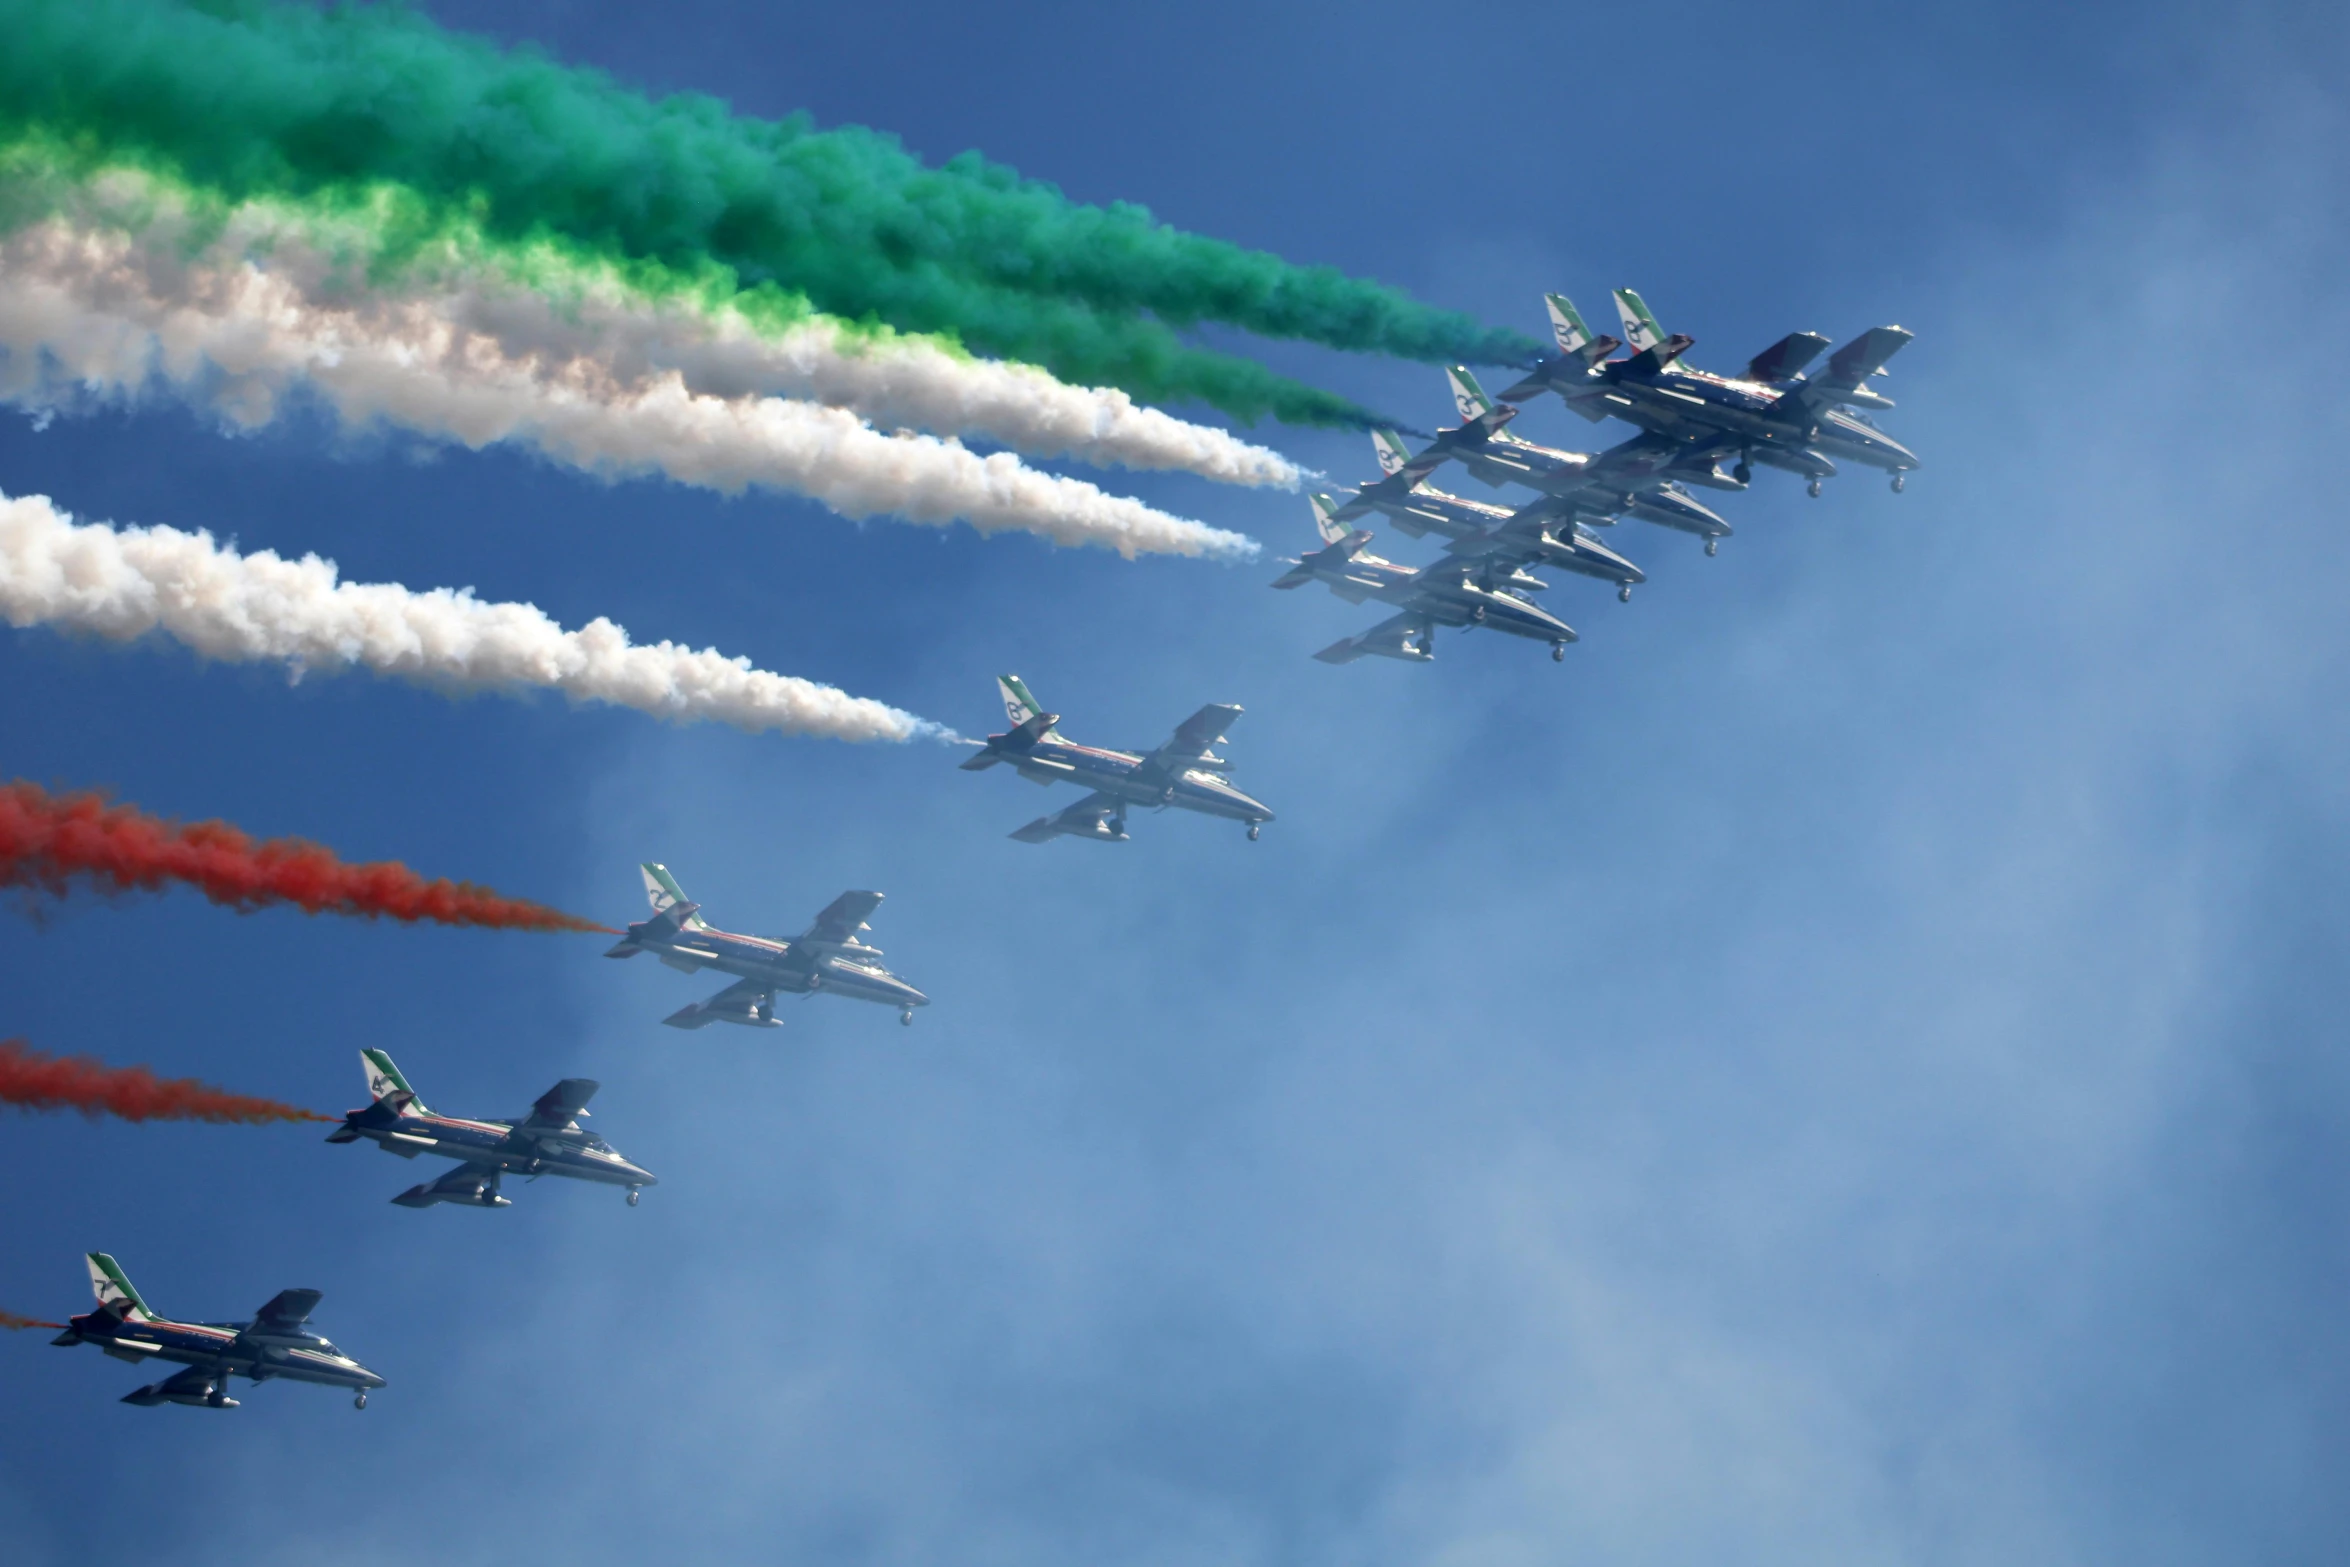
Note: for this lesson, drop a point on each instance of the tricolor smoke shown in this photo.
(127, 583)
(387, 258)
(57, 842)
(86, 303)
(258, 98)
(30, 1080)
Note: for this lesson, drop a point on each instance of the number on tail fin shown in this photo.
(1566, 324)
(1326, 519)
(1393, 454)
(1019, 705)
(1467, 395)
(1640, 328)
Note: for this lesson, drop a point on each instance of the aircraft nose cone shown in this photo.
(368, 1378)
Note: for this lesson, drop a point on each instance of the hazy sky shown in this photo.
(1849, 1068)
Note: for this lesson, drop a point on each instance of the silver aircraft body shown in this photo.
(548, 1141)
(828, 959)
(1771, 414)
(1546, 533)
(1462, 593)
(1185, 773)
(277, 1342)
(1641, 477)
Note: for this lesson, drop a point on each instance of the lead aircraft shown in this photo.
(278, 1342)
(1184, 773)
(1772, 413)
(548, 1141)
(1459, 593)
(826, 958)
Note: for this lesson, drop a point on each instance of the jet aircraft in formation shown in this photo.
(548, 1141)
(1691, 422)
(277, 1342)
(1184, 773)
(827, 958)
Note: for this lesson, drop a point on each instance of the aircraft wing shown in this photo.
(468, 1183)
(843, 919)
(737, 1003)
(1517, 536)
(560, 1105)
(1848, 369)
(1397, 485)
(1401, 636)
(1628, 465)
(1091, 817)
(1197, 734)
(287, 1309)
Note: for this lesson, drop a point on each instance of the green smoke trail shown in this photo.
(260, 98)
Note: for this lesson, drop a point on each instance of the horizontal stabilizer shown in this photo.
(982, 762)
(1650, 361)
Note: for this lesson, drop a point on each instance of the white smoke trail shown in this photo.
(95, 307)
(540, 301)
(127, 583)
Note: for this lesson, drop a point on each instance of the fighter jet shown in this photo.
(278, 1342)
(549, 1141)
(1771, 414)
(1634, 478)
(1640, 478)
(1184, 773)
(1457, 593)
(828, 958)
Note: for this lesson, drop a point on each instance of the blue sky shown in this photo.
(1846, 1068)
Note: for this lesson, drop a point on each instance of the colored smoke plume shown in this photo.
(132, 582)
(80, 300)
(386, 260)
(33, 1081)
(51, 842)
(14, 1323)
(253, 97)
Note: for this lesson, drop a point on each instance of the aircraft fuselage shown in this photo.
(496, 1145)
(797, 968)
(223, 1349)
(1131, 778)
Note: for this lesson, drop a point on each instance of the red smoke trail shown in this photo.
(10, 1320)
(33, 1081)
(46, 840)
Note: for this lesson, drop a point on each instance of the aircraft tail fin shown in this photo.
(1326, 520)
(1468, 396)
(1393, 454)
(663, 892)
(1575, 339)
(1640, 327)
(1021, 705)
(1566, 324)
(116, 1294)
(386, 1086)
